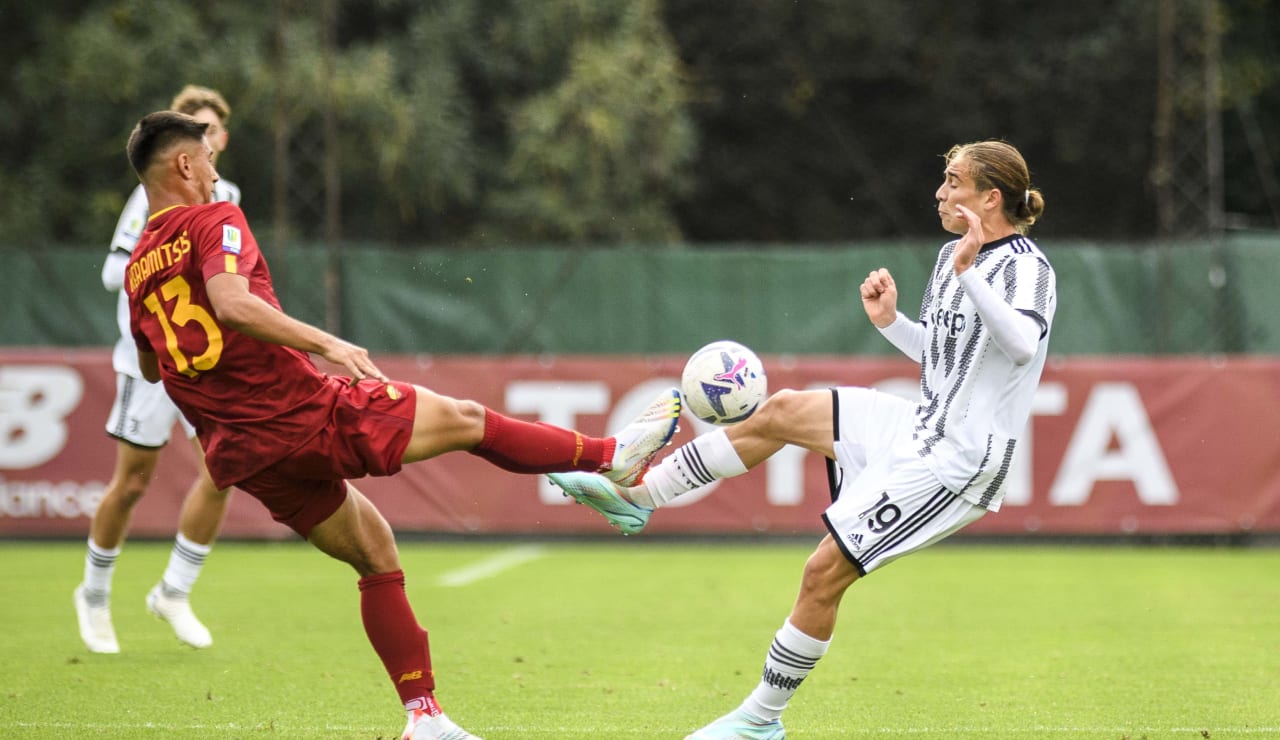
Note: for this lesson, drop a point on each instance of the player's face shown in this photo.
(204, 172)
(216, 133)
(958, 188)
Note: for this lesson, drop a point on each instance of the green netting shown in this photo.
(1113, 299)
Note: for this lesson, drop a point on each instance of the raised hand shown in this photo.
(973, 239)
(880, 297)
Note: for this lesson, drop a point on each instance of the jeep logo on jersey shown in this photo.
(953, 321)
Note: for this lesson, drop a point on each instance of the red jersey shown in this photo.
(251, 402)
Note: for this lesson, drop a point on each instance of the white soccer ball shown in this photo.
(723, 383)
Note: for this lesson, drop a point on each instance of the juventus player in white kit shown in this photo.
(903, 475)
(141, 420)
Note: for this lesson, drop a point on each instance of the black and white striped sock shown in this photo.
(791, 656)
(99, 566)
(185, 561)
(695, 464)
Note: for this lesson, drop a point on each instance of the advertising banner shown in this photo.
(1115, 446)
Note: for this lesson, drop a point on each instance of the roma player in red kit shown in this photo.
(208, 323)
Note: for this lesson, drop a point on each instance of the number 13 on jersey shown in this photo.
(184, 312)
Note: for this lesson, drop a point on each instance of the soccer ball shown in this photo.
(723, 383)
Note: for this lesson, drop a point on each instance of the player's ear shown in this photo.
(182, 164)
(994, 199)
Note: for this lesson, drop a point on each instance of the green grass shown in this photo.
(635, 639)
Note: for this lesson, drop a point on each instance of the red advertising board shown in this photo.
(1115, 445)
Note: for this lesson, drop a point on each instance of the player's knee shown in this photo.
(126, 491)
(468, 422)
(377, 563)
(444, 424)
(132, 476)
(778, 411)
(371, 556)
(827, 574)
(382, 555)
(470, 412)
(452, 415)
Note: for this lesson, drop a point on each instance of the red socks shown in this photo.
(537, 447)
(396, 636)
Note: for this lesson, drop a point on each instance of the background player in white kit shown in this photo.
(141, 420)
(903, 475)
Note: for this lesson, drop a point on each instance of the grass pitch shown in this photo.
(634, 639)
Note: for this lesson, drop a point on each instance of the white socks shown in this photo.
(697, 463)
(791, 656)
(99, 566)
(185, 562)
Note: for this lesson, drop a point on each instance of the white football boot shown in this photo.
(424, 726)
(639, 442)
(95, 624)
(177, 612)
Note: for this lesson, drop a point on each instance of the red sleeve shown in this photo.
(226, 244)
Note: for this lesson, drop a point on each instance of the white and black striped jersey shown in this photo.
(133, 219)
(975, 401)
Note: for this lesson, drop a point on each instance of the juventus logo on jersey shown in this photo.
(954, 322)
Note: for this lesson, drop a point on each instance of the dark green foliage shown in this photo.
(613, 122)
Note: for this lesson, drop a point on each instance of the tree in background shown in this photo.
(607, 121)
(604, 155)
(826, 120)
(82, 74)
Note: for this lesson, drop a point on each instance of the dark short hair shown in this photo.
(156, 133)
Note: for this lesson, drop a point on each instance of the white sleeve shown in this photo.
(133, 219)
(113, 269)
(1017, 334)
(906, 335)
(225, 190)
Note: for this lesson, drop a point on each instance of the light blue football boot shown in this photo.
(738, 725)
(600, 493)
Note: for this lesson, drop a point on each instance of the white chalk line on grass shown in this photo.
(534, 731)
(492, 566)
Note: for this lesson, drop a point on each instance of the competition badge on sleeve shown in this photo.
(230, 245)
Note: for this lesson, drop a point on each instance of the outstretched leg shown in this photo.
(442, 424)
(802, 418)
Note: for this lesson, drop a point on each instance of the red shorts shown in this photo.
(367, 433)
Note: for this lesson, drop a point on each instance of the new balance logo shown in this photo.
(410, 676)
(780, 681)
